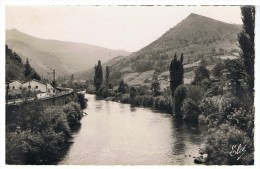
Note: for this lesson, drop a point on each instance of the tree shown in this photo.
(176, 73)
(156, 87)
(107, 76)
(133, 94)
(235, 72)
(71, 80)
(122, 87)
(200, 74)
(217, 70)
(98, 77)
(36, 76)
(28, 69)
(247, 44)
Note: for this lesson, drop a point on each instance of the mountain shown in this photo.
(65, 57)
(15, 67)
(197, 37)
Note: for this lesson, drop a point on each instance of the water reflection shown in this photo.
(115, 133)
(132, 108)
(179, 136)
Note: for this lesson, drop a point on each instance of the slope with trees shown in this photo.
(197, 37)
(16, 69)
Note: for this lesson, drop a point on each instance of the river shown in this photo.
(118, 134)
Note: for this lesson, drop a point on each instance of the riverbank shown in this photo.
(135, 98)
(40, 134)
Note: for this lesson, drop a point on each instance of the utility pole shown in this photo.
(53, 82)
(7, 88)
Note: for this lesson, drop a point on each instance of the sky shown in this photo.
(116, 27)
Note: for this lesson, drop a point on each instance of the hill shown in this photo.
(197, 37)
(65, 57)
(15, 67)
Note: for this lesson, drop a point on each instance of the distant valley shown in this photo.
(65, 57)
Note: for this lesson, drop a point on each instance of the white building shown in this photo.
(38, 86)
(16, 84)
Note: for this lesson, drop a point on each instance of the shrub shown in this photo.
(41, 136)
(133, 94)
(195, 93)
(156, 102)
(148, 101)
(179, 96)
(55, 118)
(217, 69)
(220, 142)
(190, 110)
(81, 100)
(34, 148)
(243, 119)
(162, 103)
(138, 101)
(125, 98)
(91, 89)
(73, 113)
(210, 105)
(201, 73)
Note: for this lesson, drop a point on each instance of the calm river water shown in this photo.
(115, 133)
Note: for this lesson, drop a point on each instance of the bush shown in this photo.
(91, 89)
(179, 96)
(55, 118)
(81, 100)
(73, 113)
(217, 108)
(148, 101)
(162, 104)
(201, 73)
(217, 69)
(220, 142)
(40, 134)
(34, 148)
(138, 101)
(125, 98)
(243, 119)
(190, 110)
(133, 94)
(195, 93)
(210, 105)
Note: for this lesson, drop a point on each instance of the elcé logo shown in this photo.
(238, 150)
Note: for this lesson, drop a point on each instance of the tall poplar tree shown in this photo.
(176, 73)
(107, 76)
(98, 77)
(247, 44)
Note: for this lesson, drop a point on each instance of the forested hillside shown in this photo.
(65, 57)
(15, 67)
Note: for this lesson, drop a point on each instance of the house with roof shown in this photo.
(15, 84)
(39, 86)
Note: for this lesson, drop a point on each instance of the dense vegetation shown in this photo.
(231, 115)
(38, 134)
(16, 69)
